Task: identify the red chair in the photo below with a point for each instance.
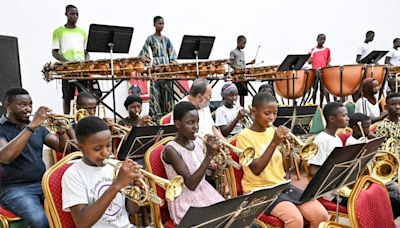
(369, 204)
(7, 216)
(51, 185)
(166, 120)
(152, 159)
(268, 220)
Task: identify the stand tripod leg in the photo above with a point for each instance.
(296, 166)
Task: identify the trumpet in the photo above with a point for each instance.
(117, 129)
(173, 188)
(308, 148)
(247, 120)
(246, 156)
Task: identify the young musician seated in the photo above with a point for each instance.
(267, 169)
(358, 136)
(90, 192)
(133, 105)
(228, 117)
(368, 104)
(86, 100)
(335, 115)
(21, 164)
(189, 157)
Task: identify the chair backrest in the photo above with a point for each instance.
(318, 122)
(166, 120)
(369, 204)
(153, 163)
(51, 185)
(351, 108)
(236, 178)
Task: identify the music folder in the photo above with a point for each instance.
(237, 212)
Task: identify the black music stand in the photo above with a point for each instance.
(293, 63)
(141, 138)
(196, 47)
(112, 39)
(373, 57)
(342, 167)
(237, 212)
(297, 118)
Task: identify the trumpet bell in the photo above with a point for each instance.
(174, 188)
(384, 168)
(308, 151)
(247, 156)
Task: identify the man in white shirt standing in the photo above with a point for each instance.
(393, 57)
(364, 49)
(200, 95)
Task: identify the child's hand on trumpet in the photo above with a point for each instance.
(281, 133)
(212, 145)
(128, 173)
(241, 114)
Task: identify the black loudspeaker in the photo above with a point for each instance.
(10, 72)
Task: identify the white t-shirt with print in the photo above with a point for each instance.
(224, 116)
(84, 184)
(394, 55)
(326, 143)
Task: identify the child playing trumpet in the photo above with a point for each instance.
(89, 191)
(229, 118)
(187, 156)
(267, 168)
(133, 105)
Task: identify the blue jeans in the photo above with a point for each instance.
(26, 202)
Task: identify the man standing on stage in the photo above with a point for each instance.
(364, 49)
(69, 44)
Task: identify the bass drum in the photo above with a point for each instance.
(342, 80)
(302, 84)
(378, 73)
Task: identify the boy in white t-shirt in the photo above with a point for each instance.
(228, 117)
(90, 191)
(364, 49)
(335, 115)
(393, 57)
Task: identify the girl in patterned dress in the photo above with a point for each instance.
(187, 156)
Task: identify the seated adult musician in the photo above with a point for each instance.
(200, 95)
(267, 168)
(390, 128)
(21, 164)
(133, 105)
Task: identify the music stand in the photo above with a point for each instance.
(196, 47)
(237, 212)
(112, 39)
(341, 168)
(293, 63)
(373, 57)
(297, 118)
(141, 138)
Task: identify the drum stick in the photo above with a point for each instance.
(258, 48)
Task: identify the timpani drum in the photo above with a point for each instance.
(342, 80)
(302, 83)
(377, 72)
